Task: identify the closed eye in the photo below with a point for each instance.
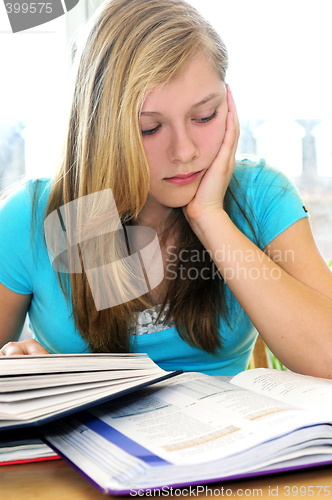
(207, 118)
(151, 131)
(198, 120)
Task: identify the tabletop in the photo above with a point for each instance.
(56, 480)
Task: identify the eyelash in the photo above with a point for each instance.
(199, 120)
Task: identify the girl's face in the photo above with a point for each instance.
(183, 126)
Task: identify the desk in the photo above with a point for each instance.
(56, 480)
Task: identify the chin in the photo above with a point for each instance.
(174, 200)
(179, 203)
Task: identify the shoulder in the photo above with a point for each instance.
(254, 173)
(257, 184)
(266, 197)
(19, 227)
(22, 212)
(17, 204)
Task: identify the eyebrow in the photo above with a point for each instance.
(200, 103)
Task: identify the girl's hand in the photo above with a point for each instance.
(24, 347)
(212, 188)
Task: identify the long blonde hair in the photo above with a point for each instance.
(131, 46)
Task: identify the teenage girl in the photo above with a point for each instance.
(153, 120)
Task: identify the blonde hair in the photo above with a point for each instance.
(129, 47)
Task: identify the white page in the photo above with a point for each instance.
(54, 363)
(303, 391)
(25, 396)
(90, 382)
(35, 409)
(26, 453)
(29, 382)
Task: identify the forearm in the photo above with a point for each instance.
(294, 320)
(13, 311)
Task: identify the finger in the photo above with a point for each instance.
(26, 347)
(11, 349)
(229, 144)
(33, 347)
(232, 106)
(232, 109)
(233, 135)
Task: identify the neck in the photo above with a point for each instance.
(153, 215)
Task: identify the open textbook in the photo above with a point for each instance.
(195, 429)
(36, 389)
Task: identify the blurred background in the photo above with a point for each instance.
(280, 74)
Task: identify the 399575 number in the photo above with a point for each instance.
(30, 8)
(307, 491)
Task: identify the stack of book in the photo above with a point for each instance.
(166, 428)
(18, 447)
(37, 389)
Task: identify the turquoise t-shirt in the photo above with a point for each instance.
(268, 198)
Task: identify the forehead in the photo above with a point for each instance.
(198, 79)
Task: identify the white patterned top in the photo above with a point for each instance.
(147, 321)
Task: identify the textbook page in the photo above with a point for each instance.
(55, 363)
(184, 430)
(309, 393)
(37, 387)
(30, 411)
(198, 417)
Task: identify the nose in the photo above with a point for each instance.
(182, 146)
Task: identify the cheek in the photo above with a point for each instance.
(152, 153)
(212, 138)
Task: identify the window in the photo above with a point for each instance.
(281, 78)
(32, 98)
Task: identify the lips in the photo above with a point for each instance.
(184, 178)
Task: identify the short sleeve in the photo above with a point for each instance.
(278, 205)
(271, 200)
(16, 259)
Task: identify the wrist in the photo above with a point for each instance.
(206, 222)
